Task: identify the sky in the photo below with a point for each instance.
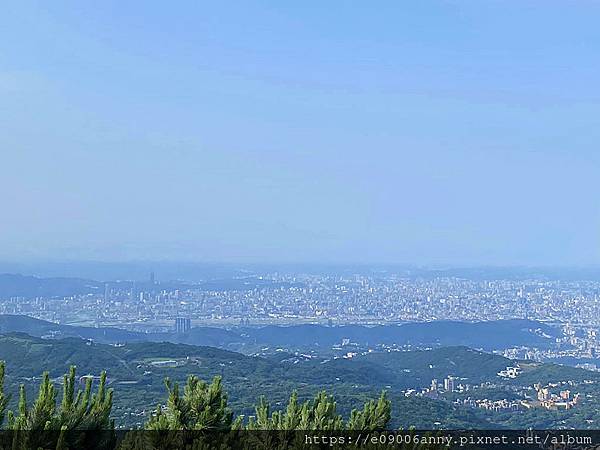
(431, 132)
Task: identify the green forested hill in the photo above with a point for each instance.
(136, 372)
(403, 370)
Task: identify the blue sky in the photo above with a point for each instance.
(453, 132)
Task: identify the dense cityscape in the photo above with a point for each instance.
(273, 299)
(571, 307)
(309, 298)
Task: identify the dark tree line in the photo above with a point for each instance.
(195, 417)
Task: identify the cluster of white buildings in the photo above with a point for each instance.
(510, 372)
(549, 400)
(449, 384)
(490, 405)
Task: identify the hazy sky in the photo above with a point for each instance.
(460, 132)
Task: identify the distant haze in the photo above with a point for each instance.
(429, 132)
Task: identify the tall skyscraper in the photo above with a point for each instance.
(182, 325)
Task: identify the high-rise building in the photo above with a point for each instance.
(183, 324)
(449, 384)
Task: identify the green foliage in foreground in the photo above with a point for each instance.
(48, 424)
(82, 411)
(202, 406)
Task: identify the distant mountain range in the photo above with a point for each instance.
(193, 272)
(488, 336)
(485, 335)
(17, 285)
